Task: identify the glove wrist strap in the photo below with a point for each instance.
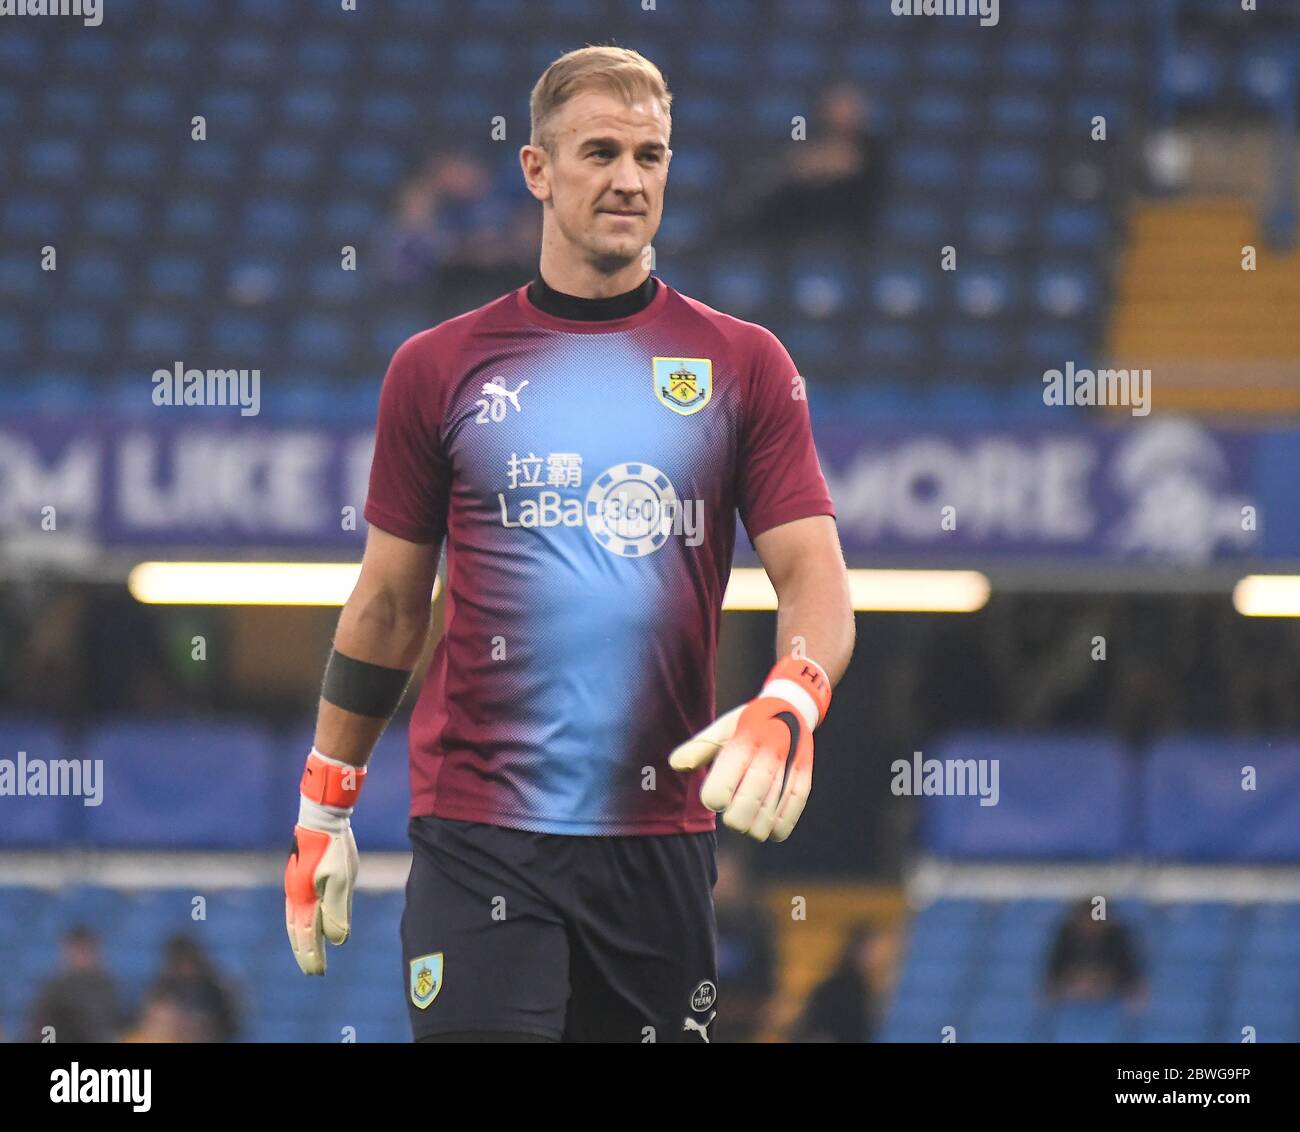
(324, 819)
(329, 782)
(803, 684)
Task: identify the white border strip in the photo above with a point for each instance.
(379, 872)
(930, 880)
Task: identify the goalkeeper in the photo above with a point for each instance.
(581, 447)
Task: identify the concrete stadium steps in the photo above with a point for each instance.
(1182, 292)
(809, 949)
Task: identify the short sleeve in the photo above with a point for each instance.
(410, 479)
(780, 478)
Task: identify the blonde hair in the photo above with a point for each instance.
(618, 70)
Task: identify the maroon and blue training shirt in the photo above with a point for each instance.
(585, 477)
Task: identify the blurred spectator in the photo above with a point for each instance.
(189, 980)
(80, 1003)
(461, 232)
(844, 1008)
(833, 183)
(746, 950)
(1092, 960)
(162, 1019)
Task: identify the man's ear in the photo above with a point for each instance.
(535, 163)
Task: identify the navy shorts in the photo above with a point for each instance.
(584, 939)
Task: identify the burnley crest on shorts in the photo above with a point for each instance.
(426, 979)
(683, 384)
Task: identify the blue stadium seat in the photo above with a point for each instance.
(929, 168)
(475, 59)
(683, 226)
(1031, 63)
(249, 56)
(21, 52)
(72, 108)
(211, 162)
(76, 334)
(12, 336)
(53, 160)
(1087, 1022)
(329, 283)
(1010, 170)
(941, 112)
(194, 11)
(319, 339)
(875, 62)
(164, 51)
(192, 217)
(97, 277)
(269, 11)
(972, 345)
(901, 292)
(1273, 1018)
(20, 275)
(985, 290)
(312, 107)
(159, 335)
(1199, 932)
(1049, 345)
(996, 229)
(88, 55)
(996, 1018)
(699, 115)
(696, 170)
(379, 167)
(150, 106)
(1110, 62)
(741, 284)
(814, 347)
(300, 398)
(273, 220)
(1263, 75)
(292, 162)
(793, 60)
(822, 285)
(331, 57)
(1047, 17)
(349, 217)
(138, 160)
(254, 281)
(241, 333)
(11, 109)
(390, 112)
(404, 57)
(952, 59)
(230, 111)
(1073, 227)
(1065, 290)
(177, 276)
(1020, 112)
(881, 345)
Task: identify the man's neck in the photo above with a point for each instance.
(581, 308)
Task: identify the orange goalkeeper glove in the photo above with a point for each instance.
(322, 868)
(762, 752)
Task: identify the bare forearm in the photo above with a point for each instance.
(375, 628)
(815, 619)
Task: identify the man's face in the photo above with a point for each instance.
(604, 176)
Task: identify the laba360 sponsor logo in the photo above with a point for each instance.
(630, 509)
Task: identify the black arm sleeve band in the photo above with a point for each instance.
(363, 688)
